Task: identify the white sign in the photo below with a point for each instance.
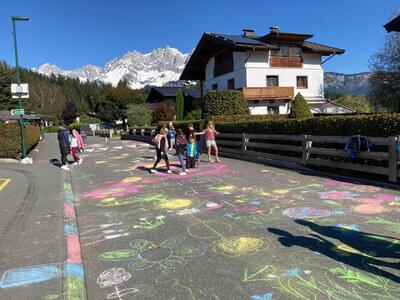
(22, 89)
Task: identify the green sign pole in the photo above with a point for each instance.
(21, 117)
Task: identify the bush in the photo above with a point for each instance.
(370, 125)
(51, 129)
(76, 126)
(243, 118)
(163, 112)
(300, 108)
(227, 102)
(139, 115)
(180, 103)
(85, 119)
(195, 114)
(10, 139)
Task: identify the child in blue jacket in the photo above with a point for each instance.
(192, 153)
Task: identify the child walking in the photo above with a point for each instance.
(75, 147)
(192, 153)
(161, 146)
(181, 144)
(210, 133)
(171, 135)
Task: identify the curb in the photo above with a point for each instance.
(74, 287)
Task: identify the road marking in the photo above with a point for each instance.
(5, 182)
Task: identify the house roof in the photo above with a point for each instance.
(393, 25)
(211, 44)
(172, 91)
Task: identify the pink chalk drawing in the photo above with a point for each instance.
(370, 201)
(306, 212)
(247, 209)
(119, 189)
(386, 197)
(335, 195)
(337, 183)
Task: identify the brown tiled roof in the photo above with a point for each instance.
(321, 49)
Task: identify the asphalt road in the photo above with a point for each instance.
(234, 230)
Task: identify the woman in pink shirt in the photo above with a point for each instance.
(210, 133)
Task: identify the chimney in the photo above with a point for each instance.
(249, 33)
(274, 29)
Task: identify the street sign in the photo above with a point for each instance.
(17, 112)
(22, 89)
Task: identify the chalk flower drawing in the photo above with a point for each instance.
(306, 212)
(170, 254)
(113, 277)
(238, 245)
(335, 195)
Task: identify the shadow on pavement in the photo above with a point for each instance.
(357, 249)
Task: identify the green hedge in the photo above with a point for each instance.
(225, 102)
(10, 139)
(51, 129)
(370, 125)
(244, 118)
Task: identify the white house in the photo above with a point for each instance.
(269, 69)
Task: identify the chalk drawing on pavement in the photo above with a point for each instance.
(3, 183)
(238, 245)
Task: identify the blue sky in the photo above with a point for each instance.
(74, 33)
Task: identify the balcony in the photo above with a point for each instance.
(270, 93)
(285, 62)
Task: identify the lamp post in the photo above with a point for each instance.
(21, 117)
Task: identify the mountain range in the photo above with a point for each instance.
(162, 67)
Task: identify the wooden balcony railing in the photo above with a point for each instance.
(269, 93)
(285, 62)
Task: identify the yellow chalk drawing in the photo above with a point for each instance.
(101, 162)
(132, 179)
(239, 201)
(106, 200)
(223, 188)
(238, 245)
(266, 171)
(345, 250)
(281, 191)
(393, 203)
(176, 203)
(3, 183)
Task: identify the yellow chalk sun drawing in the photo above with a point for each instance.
(132, 179)
(176, 203)
(238, 245)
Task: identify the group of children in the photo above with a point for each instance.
(188, 152)
(72, 142)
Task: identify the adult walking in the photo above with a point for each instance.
(64, 143)
(210, 133)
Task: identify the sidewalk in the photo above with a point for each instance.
(31, 242)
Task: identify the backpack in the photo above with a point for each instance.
(357, 143)
(398, 146)
(157, 140)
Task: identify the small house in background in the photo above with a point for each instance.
(393, 25)
(167, 96)
(270, 69)
(6, 117)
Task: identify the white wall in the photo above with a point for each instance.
(239, 73)
(257, 70)
(261, 108)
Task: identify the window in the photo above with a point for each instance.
(272, 81)
(273, 110)
(287, 51)
(302, 82)
(215, 86)
(223, 63)
(231, 84)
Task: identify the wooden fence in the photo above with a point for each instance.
(303, 150)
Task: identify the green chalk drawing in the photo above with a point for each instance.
(391, 226)
(118, 255)
(331, 202)
(75, 288)
(351, 276)
(149, 225)
(260, 275)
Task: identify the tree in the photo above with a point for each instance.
(225, 102)
(180, 102)
(139, 115)
(357, 102)
(385, 78)
(300, 108)
(163, 112)
(70, 112)
(7, 76)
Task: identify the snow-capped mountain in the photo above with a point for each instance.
(156, 68)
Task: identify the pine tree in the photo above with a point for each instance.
(300, 108)
(180, 102)
(6, 78)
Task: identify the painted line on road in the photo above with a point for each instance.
(74, 274)
(4, 183)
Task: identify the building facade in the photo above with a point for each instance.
(269, 69)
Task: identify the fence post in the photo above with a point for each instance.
(244, 147)
(306, 144)
(142, 132)
(392, 159)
